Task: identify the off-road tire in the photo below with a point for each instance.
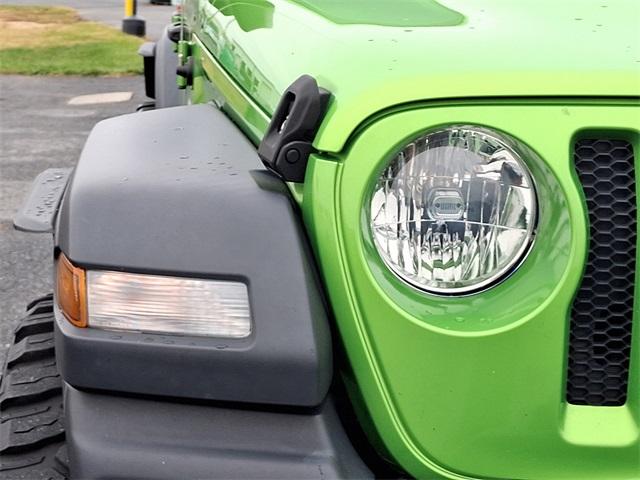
(31, 412)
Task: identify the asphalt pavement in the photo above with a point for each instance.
(39, 130)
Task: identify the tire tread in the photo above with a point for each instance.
(31, 411)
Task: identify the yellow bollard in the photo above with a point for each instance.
(130, 8)
(131, 23)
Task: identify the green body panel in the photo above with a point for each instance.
(479, 48)
(474, 386)
(212, 83)
(457, 387)
(405, 13)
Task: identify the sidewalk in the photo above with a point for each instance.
(111, 12)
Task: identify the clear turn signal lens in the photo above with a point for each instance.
(170, 305)
(455, 211)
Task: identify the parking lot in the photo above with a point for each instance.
(39, 130)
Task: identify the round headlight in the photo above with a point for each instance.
(455, 211)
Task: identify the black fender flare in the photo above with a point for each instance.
(181, 191)
(160, 71)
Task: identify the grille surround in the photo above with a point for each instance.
(602, 311)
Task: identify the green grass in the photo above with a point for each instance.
(55, 41)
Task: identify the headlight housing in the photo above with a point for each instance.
(455, 211)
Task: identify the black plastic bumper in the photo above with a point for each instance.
(121, 437)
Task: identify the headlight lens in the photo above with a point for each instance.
(455, 211)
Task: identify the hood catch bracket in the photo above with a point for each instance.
(288, 142)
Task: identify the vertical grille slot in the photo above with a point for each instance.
(602, 313)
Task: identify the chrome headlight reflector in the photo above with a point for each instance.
(454, 211)
(167, 305)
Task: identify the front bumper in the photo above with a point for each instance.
(123, 438)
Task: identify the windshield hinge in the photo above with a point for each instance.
(287, 144)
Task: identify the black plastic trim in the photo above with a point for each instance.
(186, 71)
(600, 346)
(123, 437)
(183, 193)
(287, 144)
(40, 209)
(176, 31)
(148, 53)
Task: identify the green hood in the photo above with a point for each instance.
(375, 54)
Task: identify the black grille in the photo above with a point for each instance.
(602, 314)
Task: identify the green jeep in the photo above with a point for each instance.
(358, 239)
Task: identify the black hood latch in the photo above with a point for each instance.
(287, 144)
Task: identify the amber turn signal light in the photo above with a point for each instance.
(71, 291)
